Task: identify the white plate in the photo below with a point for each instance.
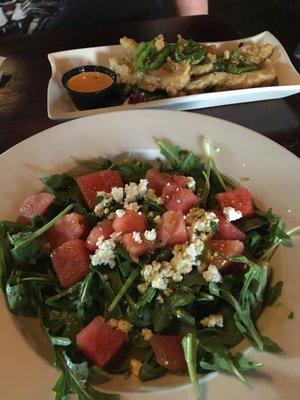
(60, 106)
(273, 171)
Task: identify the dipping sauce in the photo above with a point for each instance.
(90, 81)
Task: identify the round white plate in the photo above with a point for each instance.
(274, 174)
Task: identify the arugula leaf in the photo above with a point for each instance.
(74, 379)
(184, 162)
(64, 187)
(242, 315)
(150, 369)
(228, 363)
(265, 233)
(273, 293)
(271, 347)
(132, 170)
(132, 277)
(190, 346)
(27, 245)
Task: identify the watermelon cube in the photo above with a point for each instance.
(100, 342)
(137, 248)
(71, 262)
(130, 221)
(158, 180)
(169, 352)
(172, 229)
(227, 230)
(100, 181)
(240, 199)
(71, 226)
(35, 204)
(176, 198)
(219, 251)
(103, 228)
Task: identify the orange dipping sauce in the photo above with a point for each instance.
(91, 81)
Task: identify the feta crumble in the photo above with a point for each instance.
(102, 207)
(150, 235)
(212, 274)
(232, 214)
(120, 213)
(147, 333)
(150, 195)
(135, 366)
(117, 194)
(120, 324)
(137, 237)
(132, 206)
(142, 287)
(105, 253)
(212, 320)
(199, 221)
(160, 299)
(135, 191)
(191, 183)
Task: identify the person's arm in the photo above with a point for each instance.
(173, 8)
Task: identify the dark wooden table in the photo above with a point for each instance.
(23, 97)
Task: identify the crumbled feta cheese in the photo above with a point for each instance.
(134, 191)
(116, 236)
(199, 221)
(150, 235)
(212, 320)
(232, 214)
(150, 214)
(124, 326)
(120, 324)
(105, 253)
(212, 274)
(132, 206)
(120, 213)
(150, 195)
(160, 299)
(117, 194)
(135, 366)
(147, 333)
(142, 287)
(157, 219)
(137, 237)
(102, 207)
(191, 183)
(113, 323)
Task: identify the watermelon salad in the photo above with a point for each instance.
(143, 269)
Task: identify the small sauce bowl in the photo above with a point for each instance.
(92, 88)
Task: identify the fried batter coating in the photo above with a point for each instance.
(257, 53)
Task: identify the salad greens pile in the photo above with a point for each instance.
(31, 286)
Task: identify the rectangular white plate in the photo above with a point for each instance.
(60, 106)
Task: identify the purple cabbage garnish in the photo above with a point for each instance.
(136, 97)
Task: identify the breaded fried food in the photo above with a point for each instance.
(171, 77)
(257, 53)
(129, 45)
(225, 81)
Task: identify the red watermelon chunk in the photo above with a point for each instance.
(172, 229)
(100, 342)
(71, 262)
(131, 221)
(219, 251)
(100, 181)
(158, 180)
(240, 199)
(137, 249)
(176, 198)
(103, 228)
(227, 230)
(35, 204)
(71, 226)
(169, 352)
